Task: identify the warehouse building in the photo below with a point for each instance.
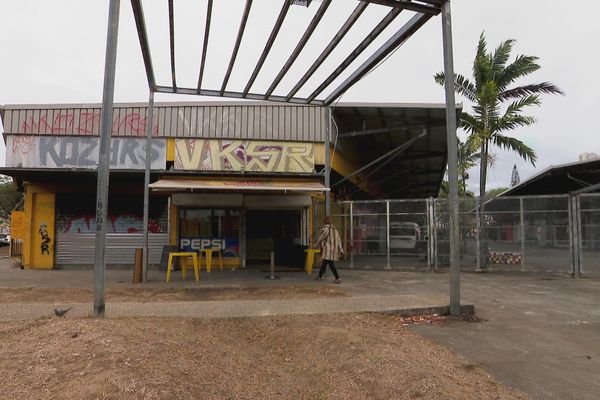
(246, 178)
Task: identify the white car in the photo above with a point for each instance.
(4, 239)
(404, 235)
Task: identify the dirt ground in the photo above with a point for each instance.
(350, 356)
(75, 295)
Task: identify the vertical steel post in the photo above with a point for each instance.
(435, 236)
(327, 161)
(430, 222)
(478, 237)
(243, 236)
(571, 237)
(387, 233)
(452, 160)
(149, 128)
(579, 235)
(522, 233)
(351, 235)
(106, 117)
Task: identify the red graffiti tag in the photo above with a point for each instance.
(88, 123)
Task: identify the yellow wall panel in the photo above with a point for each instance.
(42, 231)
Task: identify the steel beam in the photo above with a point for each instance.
(138, 14)
(387, 234)
(274, 32)
(389, 129)
(172, 41)
(392, 152)
(235, 95)
(307, 34)
(384, 23)
(236, 47)
(452, 160)
(148, 161)
(407, 5)
(360, 8)
(398, 39)
(205, 44)
(328, 161)
(106, 118)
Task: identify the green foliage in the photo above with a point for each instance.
(497, 107)
(445, 189)
(9, 196)
(495, 192)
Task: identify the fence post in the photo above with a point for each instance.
(522, 234)
(478, 237)
(579, 248)
(387, 233)
(351, 236)
(571, 238)
(435, 235)
(430, 223)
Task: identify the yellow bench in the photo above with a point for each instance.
(310, 259)
(192, 254)
(208, 253)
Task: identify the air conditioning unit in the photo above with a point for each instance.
(588, 156)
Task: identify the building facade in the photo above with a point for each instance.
(244, 178)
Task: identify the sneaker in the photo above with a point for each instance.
(319, 278)
(338, 281)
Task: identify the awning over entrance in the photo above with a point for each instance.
(249, 184)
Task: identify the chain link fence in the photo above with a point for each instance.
(542, 234)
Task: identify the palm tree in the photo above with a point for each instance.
(498, 107)
(467, 159)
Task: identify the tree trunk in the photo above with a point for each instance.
(483, 249)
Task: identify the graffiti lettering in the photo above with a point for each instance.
(45, 244)
(87, 123)
(115, 224)
(237, 155)
(83, 152)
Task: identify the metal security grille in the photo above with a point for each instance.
(75, 230)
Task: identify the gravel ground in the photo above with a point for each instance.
(340, 356)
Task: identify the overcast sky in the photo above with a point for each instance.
(53, 52)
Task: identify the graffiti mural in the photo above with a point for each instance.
(240, 155)
(86, 123)
(116, 224)
(81, 152)
(44, 236)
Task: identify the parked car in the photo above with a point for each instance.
(405, 237)
(4, 239)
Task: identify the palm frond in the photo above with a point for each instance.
(513, 144)
(519, 104)
(481, 62)
(470, 123)
(522, 66)
(462, 85)
(520, 91)
(501, 55)
(510, 122)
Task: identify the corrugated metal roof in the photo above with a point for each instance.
(231, 120)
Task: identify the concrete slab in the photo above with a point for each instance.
(539, 334)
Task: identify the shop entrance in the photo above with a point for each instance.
(274, 230)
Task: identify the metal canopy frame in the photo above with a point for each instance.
(423, 9)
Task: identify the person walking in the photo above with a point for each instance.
(331, 248)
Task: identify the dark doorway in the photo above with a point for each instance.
(279, 231)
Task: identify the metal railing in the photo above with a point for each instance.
(550, 234)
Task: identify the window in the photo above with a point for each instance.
(210, 228)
